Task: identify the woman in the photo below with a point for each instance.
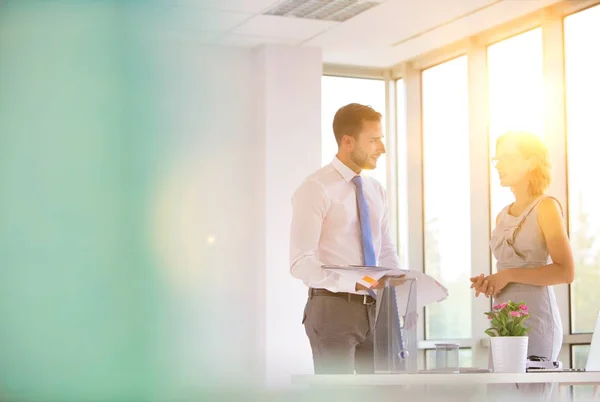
(530, 242)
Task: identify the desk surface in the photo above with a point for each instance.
(572, 378)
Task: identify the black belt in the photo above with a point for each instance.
(351, 297)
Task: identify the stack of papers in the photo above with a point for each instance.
(428, 289)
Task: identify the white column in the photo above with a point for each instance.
(402, 192)
(391, 150)
(480, 193)
(414, 169)
(289, 122)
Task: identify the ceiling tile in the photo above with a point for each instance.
(246, 6)
(252, 41)
(198, 19)
(197, 37)
(283, 27)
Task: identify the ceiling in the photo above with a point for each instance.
(383, 36)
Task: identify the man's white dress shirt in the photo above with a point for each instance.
(326, 228)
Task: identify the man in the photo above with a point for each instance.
(340, 218)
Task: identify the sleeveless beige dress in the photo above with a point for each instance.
(518, 242)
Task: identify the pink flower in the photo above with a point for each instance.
(500, 306)
(523, 308)
(515, 314)
(489, 317)
(524, 313)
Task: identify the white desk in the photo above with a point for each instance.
(563, 379)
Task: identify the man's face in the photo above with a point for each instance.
(368, 146)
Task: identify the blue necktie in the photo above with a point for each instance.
(365, 223)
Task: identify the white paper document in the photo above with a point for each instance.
(428, 289)
(365, 275)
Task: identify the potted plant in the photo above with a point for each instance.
(508, 337)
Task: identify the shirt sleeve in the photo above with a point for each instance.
(310, 204)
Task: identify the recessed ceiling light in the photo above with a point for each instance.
(326, 10)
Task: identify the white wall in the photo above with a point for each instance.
(207, 212)
(244, 131)
(289, 101)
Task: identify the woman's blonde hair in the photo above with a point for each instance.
(531, 146)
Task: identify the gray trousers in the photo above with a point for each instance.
(340, 334)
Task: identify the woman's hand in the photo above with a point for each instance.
(491, 285)
(480, 284)
(497, 282)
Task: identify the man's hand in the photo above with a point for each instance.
(393, 280)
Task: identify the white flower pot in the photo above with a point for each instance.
(509, 353)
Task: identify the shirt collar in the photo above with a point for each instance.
(347, 173)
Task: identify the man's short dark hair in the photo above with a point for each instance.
(348, 120)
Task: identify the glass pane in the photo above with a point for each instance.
(422, 363)
(446, 186)
(515, 80)
(579, 354)
(583, 125)
(465, 358)
(339, 91)
(430, 359)
(402, 195)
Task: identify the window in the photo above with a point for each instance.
(581, 31)
(339, 91)
(446, 192)
(515, 84)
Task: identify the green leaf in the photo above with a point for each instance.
(510, 327)
(490, 332)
